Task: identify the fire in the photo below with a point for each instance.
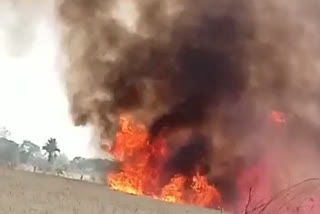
(142, 167)
(173, 191)
(278, 117)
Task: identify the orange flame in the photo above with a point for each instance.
(173, 191)
(141, 168)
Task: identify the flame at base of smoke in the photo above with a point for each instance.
(142, 169)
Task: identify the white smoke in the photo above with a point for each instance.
(19, 21)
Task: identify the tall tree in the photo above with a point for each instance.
(26, 150)
(51, 148)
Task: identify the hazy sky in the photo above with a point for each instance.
(33, 105)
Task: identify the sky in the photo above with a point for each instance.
(33, 104)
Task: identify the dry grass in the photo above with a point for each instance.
(31, 193)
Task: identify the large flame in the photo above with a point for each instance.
(141, 169)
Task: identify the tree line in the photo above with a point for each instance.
(49, 158)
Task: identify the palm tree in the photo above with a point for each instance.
(51, 148)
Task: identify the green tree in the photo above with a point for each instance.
(26, 150)
(4, 132)
(51, 148)
(9, 151)
(61, 164)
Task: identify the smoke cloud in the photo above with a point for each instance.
(211, 68)
(171, 60)
(19, 24)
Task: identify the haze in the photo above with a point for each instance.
(33, 103)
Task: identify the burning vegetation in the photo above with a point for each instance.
(199, 102)
(143, 168)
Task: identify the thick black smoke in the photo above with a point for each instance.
(177, 65)
(208, 68)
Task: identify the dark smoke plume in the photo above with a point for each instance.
(175, 67)
(210, 68)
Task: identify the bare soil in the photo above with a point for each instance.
(31, 193)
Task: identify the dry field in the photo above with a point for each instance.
(30, 193)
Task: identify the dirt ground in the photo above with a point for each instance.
(30, 193)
